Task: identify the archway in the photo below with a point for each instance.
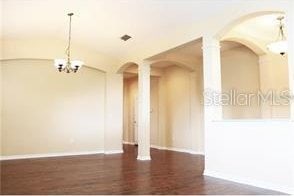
(240, 138)
(175, 113)
(219, 35)
(130, 102)
(256, 31)
(179, 107)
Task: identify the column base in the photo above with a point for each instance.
(144, 158)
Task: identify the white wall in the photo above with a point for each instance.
(0, 106)
(155, 116)
(252, 152)
(245, 72)
(113, 113)
(49, 112)
(183, 108)
(197, 109)
(240, 72)
(274, 77)
(177, 113)
(257, 152)
(130, 96)
(178, 103)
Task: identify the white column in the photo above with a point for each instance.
(144, 112)
(290, 29)
(113, 113)
(212, 78)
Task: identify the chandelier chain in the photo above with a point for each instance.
(67, 65)
(281, 35)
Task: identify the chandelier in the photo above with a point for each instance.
(67, 65)
(280, 46)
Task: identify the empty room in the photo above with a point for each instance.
(146, 97)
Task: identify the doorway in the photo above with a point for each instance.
(130, 132)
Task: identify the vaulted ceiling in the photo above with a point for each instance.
(38, 28)
(99, 24)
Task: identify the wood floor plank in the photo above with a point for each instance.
(168, 173)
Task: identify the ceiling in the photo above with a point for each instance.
(195, 48)
(99, 24)
(262, 29)
(191, 53)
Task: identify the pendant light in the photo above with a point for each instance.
(67, 65)
(280, 46)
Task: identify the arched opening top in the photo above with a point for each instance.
(125, 66)
(256, 48)
(165, 63)
(219, 35)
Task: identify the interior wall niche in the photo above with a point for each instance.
(251, 68)
(240, 74)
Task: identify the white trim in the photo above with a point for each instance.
(129, 143)
(158, 147)
(252, 182)
(144, 158)
(60, 154)
(177, 149)
(113, 151)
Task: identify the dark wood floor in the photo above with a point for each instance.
(168, 173)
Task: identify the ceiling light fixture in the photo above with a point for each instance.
(280, 46)
(67, 65)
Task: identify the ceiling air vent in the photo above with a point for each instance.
(125, 37)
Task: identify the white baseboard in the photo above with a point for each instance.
(144, 158)
(169, 148)
(129, 143)
(60, 154)
(33, 156)
(177, 149)
(252, 182)
(159, 147)
(113, 151)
